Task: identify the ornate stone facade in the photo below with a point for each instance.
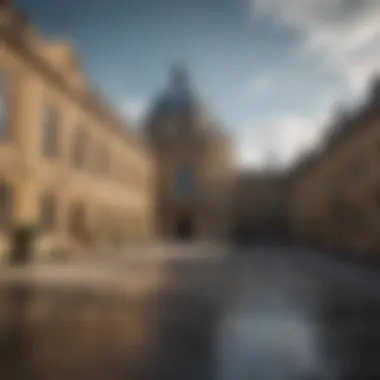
(68, 166)
(194, 166)
(334, 197)
(72, 169)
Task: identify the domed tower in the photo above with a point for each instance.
(194, 165)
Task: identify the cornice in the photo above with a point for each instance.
(359, 123)
(14, 32)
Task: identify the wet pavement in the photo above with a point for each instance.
(77, 323)
(274, 314)
(298, 315)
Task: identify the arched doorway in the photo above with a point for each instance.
(184, 228)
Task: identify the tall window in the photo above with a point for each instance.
(4, 90)
(50, 131)
(5, 206)
(79, 147)
(184, 181)
(77, 221)
(48, 212)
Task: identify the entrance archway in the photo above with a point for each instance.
(184, 228)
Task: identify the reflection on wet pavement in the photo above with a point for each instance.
(273, 316)
(61, 332)
(50, 334)
(291, 318)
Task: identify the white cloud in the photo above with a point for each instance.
(133, 109)
(283, 140)
(344, 33)
(250, 153)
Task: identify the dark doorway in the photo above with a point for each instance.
(77, 222)
(244, 232)
(184, 228)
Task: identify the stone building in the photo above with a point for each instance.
(71, 169)
(68, 164)
(334, 198)
(260, 206)
(195, 166)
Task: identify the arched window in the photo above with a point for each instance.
(5, 206)
(4, 91)
(184, 181)
(79, 147)
(77, 221)
(49, 130)
(103, 159)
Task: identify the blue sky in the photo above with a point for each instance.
(269, 70)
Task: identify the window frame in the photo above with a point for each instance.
(79, 146)
(5, 102)
(104, 159)
(50, 130)
(6, 205)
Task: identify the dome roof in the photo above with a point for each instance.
(174, 102)
(179, 98)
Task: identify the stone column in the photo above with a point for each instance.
(26, 136)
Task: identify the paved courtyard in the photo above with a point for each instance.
(190, 313)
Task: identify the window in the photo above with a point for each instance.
(93, 155)
(79, 147)
(48, 212)
(184, 181)
(5, 206)
(4, 87)
(50, 131)
(77, 221)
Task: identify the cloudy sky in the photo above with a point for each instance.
(269, 70)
